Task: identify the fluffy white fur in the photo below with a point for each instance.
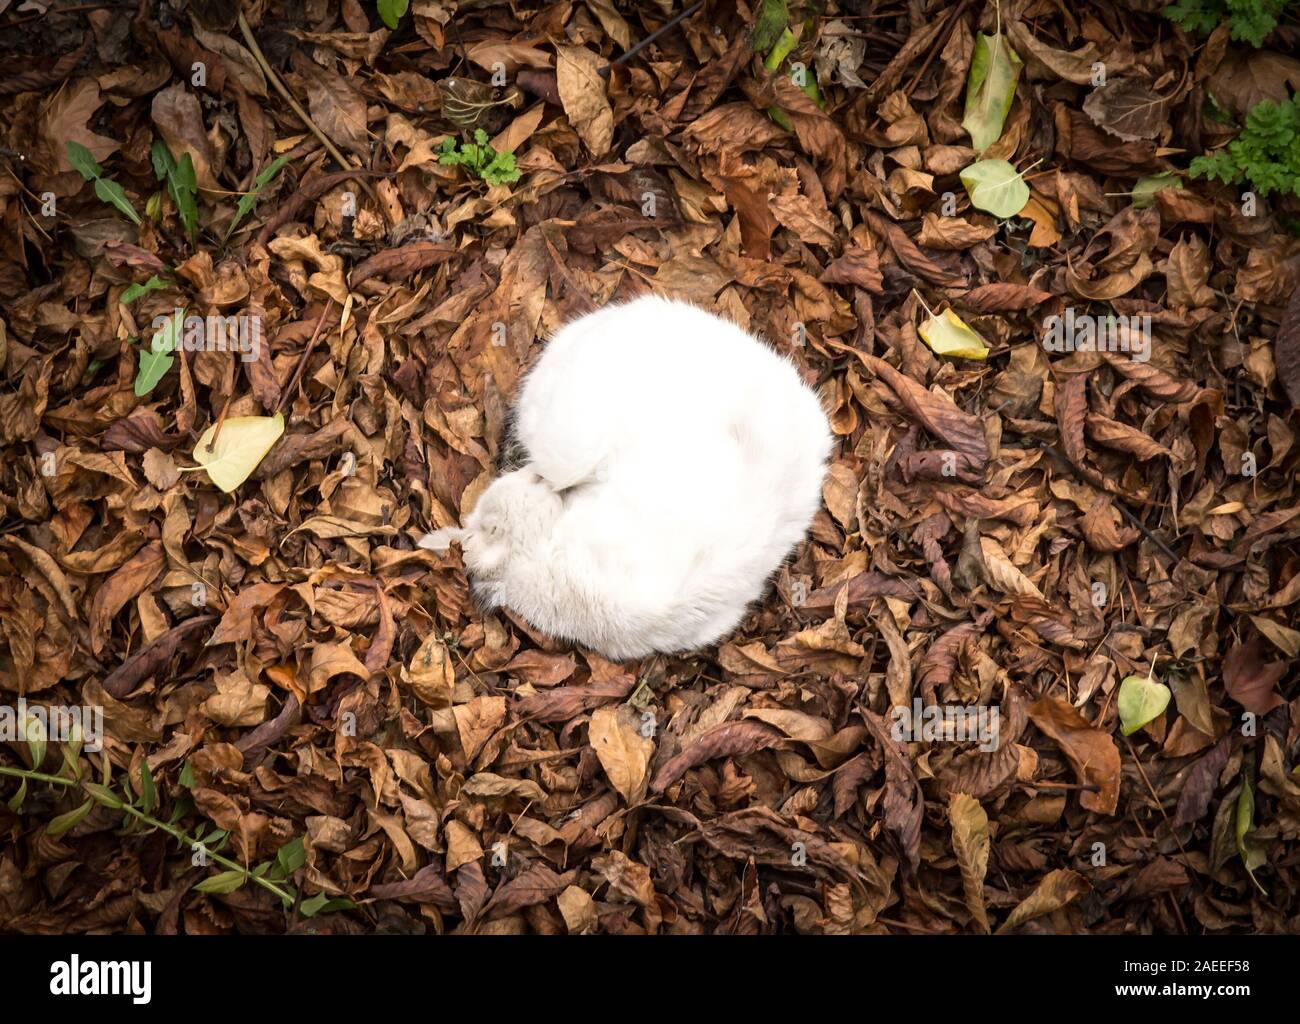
(673, 463)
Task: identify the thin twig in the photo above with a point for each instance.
(280, 87)
(306, 353)
(666, 27)
(221, 421)
(1118, 504)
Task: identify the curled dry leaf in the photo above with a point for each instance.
(616, 736)
(1091, 753)
(1251, 681)
(970, 841)
(1057, 889)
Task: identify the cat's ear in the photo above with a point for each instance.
(440, 540)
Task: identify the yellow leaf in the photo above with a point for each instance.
(947, 335)
(241, 446)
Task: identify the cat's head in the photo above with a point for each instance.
(511, 519)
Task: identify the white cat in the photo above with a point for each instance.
(673, 461)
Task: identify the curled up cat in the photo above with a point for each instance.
(672, 462)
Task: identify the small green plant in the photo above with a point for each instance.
(107, 189)
(1249, 21)
(134, 291)
(391, 11)
(249, 199)
(1266, 153)
(480, 158)
(157, 359)
(182, 185)
(139, 819)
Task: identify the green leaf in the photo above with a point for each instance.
(184, 187)
(15, 803)
(1144, 192)
(323, 904)
(479, 156)
(291, 856)
(249, 199)
(148, 793)
(995, 187)
(157, 359)
(1251, 851)
(949, 335)
(990, 89)
(104, 795)
(186, 778)
(223, 882)
(134, 291)
(71, 767)
(1141, 700)
(391, 11)
(83, 161)
(111, 192)
(163, 161)
(781, 49)
(64, 822)
(153, 368)
(501, 170)
(37, 739)
(773, 19)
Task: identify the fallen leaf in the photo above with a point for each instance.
(241, 445)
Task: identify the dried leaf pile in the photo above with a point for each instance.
(1100, 549)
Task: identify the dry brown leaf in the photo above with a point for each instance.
(615, 735)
